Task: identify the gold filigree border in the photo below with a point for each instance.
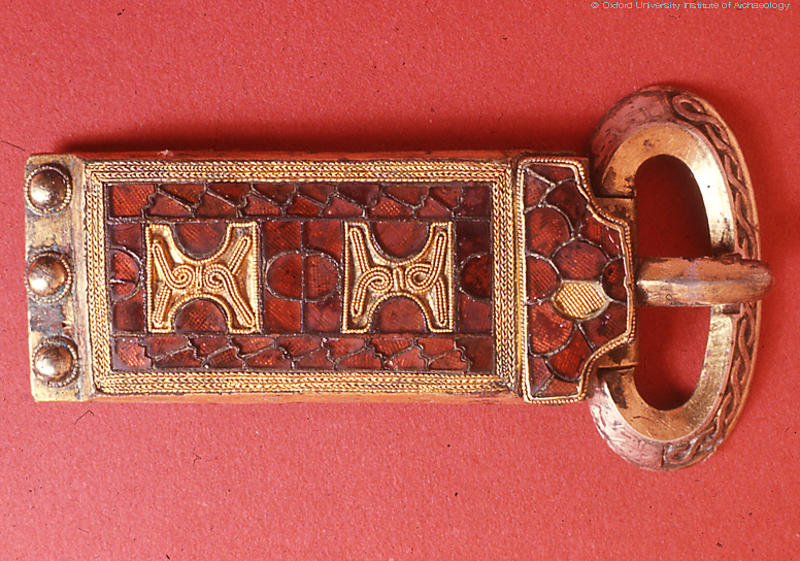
(506, 275)
(627, 258)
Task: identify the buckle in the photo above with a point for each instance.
(505, 276)
(665, 121)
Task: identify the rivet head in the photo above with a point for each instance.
(54, 361)
(49, 189)
(48, 276)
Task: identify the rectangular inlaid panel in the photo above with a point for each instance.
(258, 277)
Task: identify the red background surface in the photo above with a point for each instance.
(396, 481)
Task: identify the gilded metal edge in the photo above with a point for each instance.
(505, 272)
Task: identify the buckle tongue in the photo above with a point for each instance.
(706, 281)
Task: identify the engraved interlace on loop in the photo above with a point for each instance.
(664, 121)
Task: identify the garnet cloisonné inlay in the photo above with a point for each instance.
(425, 307)
(576, 295)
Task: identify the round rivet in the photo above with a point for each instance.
(48, 189)
(49, 276)
(54, 361)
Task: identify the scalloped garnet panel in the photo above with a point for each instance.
(565, 242)
(300, 229)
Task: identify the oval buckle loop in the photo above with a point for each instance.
(666, 121)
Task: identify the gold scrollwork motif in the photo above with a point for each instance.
(228, 278)
(425, 278)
